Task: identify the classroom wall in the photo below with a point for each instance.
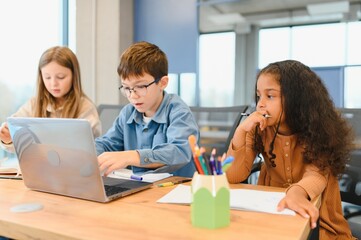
(173, 26)
(103, 30)
(246, 63)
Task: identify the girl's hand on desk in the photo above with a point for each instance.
(296, 199)
(5, 133)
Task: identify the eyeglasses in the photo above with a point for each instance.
(140, 90)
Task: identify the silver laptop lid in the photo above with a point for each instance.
(58, 156)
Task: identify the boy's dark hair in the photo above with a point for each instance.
(141, 58)
(310, 113)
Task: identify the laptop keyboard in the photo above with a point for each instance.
(111, 190)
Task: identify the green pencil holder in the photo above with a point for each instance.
(210, 207)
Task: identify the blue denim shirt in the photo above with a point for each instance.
(163, 140)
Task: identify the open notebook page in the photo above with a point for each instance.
(9, 168)
(241, 199)
(148, 177)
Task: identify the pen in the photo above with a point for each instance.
(136, 177)
(201, 161)
(192, 140)
(229, 159)
(167, 184)
(264, 115)
(129, 176)
(193, 145)
(206, 161)
(219, 166)
(212, 162)
(197, 164)
(227, 163)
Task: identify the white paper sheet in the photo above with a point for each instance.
(148, 177)
(241, 199)
(9, 168)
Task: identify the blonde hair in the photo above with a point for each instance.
(66, 58)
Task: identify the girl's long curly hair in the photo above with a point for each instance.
(310, 113)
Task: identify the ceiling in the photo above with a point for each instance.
(241, 15)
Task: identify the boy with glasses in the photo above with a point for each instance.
(151, 132)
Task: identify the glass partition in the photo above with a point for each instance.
(28, 28)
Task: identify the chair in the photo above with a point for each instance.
(217, 125)
(350, 182)
(107, 114)
(350, 187)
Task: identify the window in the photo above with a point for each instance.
(216, 69)
(26, 32)
(352, 87)
(184, 85)
(188, 88)
(173, 84)
(323, 45)
(274, 45)
(353, 43)
(319, 45)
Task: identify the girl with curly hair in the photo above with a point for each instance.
(304, 141)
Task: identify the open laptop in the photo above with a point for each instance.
(57, 155)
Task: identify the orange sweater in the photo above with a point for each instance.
(289, 171)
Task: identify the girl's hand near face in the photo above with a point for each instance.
(296, 199)
(5, 133)
(256, 118)
(250, 123)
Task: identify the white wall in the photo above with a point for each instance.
(103, 30)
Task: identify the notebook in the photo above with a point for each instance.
(57, 155)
